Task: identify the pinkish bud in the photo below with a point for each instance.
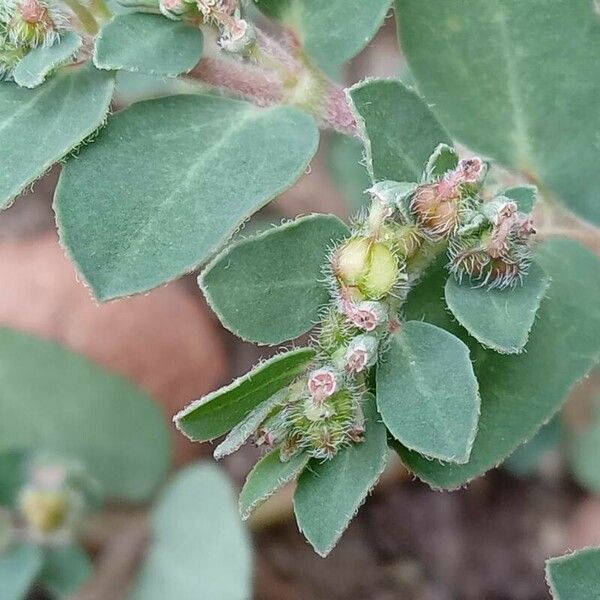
(361, 354)
(365, 315)
(322, 384)
(470, 169)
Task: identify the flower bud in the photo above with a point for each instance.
(240, 38)
(361, 354)
(32, 23)
(322, 383)
(471, 170)
(435, 208)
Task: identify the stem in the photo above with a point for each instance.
(101, 10)
(85, 17)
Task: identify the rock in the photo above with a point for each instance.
(166, 341)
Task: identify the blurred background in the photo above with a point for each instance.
(485, 542)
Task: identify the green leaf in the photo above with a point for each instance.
(33, 69)
(13, 475)
(520, 393)
(168, 181)
(399, 129)
(427, 392)
(498, 319)
(148, 44)
(217, 413)
(269, 288)
(18, 569)
(65, 570)
(525, 196)
(39, 127)
(443, 159)
(584, 449)
(331, 32)
(345, 161)
(330, 493)
(269, 474)
(482, 67)
(575, 576)
(199, 548)
(56, 401)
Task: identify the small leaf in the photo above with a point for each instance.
(198, 547)
(269, 474)
(498, 319)
(19, 567)
(33, 69)
(269, 288)
(13, 475)
(584, 449)
(400, 130)
(217, 413)
(427, 392)
(443, 159)
(59, 402)
(330, 493)
(215, 161)
(575, 576)
(39, 127)
(520, 393)
(65, 570)
(525, 196)
(162, 47)
(332, 32)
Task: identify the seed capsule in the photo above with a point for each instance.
(435, 208)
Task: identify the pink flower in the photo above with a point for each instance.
(366, 315)
(471, 169)
(322, 383)
(361, 354)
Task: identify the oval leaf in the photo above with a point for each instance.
(481, 66)
(148, 44)
(498, 319)
(269, 288)
(57, 401)
(399, 129)
(39, 127)
(65, 570)
(19, 567)
(33, 69)
(269, 474)
(198, 548)
(427, 392)
(215, 162)
(330, 493)
(215, 414)
(575, 576)
(520, 393)
(525, 196)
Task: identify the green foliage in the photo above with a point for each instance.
(399, 129)
(574, 576)
(268, 475)
(525, 196)
(168, 181)
(65, 570)
(521, 392)
(330, 493)
(427, 392)
(58, 401)
(33, 69)
(13, 474)
(584, 448)
(19, 567)
(165, 48)
(198, 547)
(331, 32)
(264, 289)
(515, 81)
(39, 127)
(498, 319)
(217, 413)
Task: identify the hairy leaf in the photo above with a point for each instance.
(575, 576)
(520, 393)
(148, 44)
(65, 570)
(269, 474)
(198, 548)
(269, 288)
(168, 181)
(443, 159)
(57, 401)
(39, 127)
(525, 196)
(13, 475)
(19, 567)
(33, 69)
(331, 32)
(518, 81)
(215, 414)
(427, 392)
(399, 129)
(498, 319)
(330, 493)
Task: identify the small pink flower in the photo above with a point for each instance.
(173, 5)
(361, 354)
(366, 315)
(356, 360)
(322, 383)
(32, 11)
(470, 169)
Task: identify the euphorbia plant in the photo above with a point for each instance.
(424, 305)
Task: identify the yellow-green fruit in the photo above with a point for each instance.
(45, 511)
(352, 260)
